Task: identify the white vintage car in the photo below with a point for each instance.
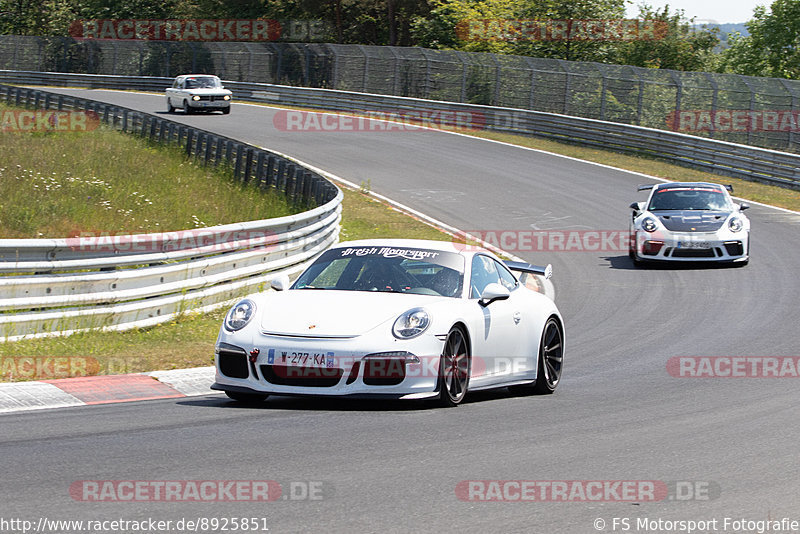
(403, 319)
(198, 92)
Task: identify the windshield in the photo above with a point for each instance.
(205, 82)
(390, 269)
(689, 198)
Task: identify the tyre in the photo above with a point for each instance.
(186, 108)
(226, 111)
(170, 107)
(247, 398)
(550, 361)
(454, 369)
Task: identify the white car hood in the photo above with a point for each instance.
(331, 313)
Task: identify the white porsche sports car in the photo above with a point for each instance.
(198, 92)
(689, 221)
(404, 319)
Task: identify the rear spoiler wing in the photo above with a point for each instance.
(523, 267)
(646, 187)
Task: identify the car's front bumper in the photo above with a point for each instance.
(358, 366)
(216, 105)
(692, 247)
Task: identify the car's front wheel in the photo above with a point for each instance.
(632, 252)
(247, 398)
(170, 107)
(186, 108)
(454, 368)
(226, 111)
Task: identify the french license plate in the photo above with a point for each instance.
(298, 358)
(694, 244)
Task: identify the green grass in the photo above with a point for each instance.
(61, 184)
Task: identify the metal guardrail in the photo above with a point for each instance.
(120, 282)
(720, 157)
(618, 93)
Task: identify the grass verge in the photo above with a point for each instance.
(58, 184)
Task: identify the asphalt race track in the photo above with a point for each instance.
(394, 467)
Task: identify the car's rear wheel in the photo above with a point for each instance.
(550, 361)
(454, 367)
(247, 398)
(551, 358)
(186, 108)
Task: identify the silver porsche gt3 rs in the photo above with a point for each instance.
(682, 221)
(404, 319)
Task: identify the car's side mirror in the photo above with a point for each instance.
(636, 206)
(493, 292)
(744, 206)
(280, 283)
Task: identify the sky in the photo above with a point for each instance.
(706, 11)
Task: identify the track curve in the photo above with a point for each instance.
(618, 415)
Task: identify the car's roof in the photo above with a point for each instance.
(197, 76)
(429, 244)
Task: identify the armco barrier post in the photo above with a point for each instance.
(248, 165)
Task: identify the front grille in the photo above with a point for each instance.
(233, 364)
(734, 248)
(384, 371)
(693, 253)
(310, 377)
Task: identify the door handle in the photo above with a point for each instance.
(517, 317)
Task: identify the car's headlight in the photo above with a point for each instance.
(411, 324)
(735, 224)
(240, 315)
(649, 224)
(226, 97)
(195, 97)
